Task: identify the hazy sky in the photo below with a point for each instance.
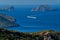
(28, 2)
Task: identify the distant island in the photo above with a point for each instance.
(8, 8)
(7, 21)
(43, 8)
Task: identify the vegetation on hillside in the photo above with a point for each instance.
(44, 35)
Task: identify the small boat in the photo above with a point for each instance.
(32, 17)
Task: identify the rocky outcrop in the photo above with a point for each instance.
(8, 8)
(44, 8)
(46, 35)
(6, 21)
(10, 18)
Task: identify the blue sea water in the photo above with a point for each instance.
(48, 20)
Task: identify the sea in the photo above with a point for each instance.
(47, 20)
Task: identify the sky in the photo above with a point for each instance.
(28, 2)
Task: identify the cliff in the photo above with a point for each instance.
(7, 21)
(44, 8)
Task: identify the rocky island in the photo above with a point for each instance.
(8, 8)
(44, 8)
(6, 21)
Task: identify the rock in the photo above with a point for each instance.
(9, 8)
(11, 19)
(44, 8)
(6, 21)
(47, 35)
